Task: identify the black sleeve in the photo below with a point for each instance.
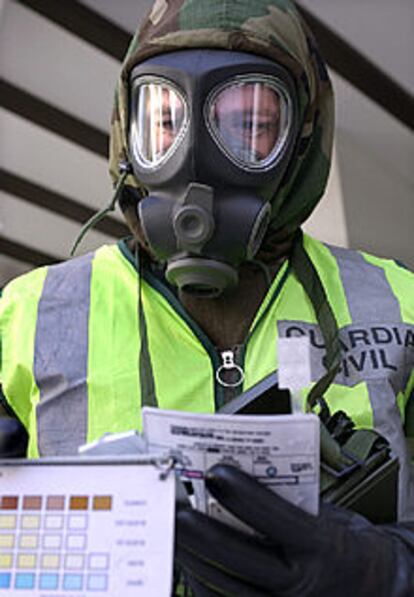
(5, 408)
(13, 435)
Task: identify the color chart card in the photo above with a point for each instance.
(78, 530)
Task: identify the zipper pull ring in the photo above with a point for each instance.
(229, 365)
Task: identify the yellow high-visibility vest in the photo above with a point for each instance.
(80, 356)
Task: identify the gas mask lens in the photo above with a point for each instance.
(250, 119)
(159, 123)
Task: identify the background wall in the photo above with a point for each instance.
(58, 66)
(374, 173)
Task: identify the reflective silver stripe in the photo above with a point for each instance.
(365, 283)
(61, 357)
(387, 421)
(362, 296)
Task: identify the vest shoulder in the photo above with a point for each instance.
(392, 268)
(366, 278)
(348, 256)
(24, 284)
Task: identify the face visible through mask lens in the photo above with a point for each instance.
(249, 120)
(161, 119)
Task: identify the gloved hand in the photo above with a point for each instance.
(295, 554)
(13, 438)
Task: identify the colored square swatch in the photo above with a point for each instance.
(73, 582)
(30, 522)
(7, 521)
(50, 560)
(53, 521)
(78, 502)
(26, 560)
(28, 541)
(52, 541)
(77, 522)
(48, 581)
(6, 541)
(24, 580)
(102, 502)
(74, 561)
(97, 582)
(76, 542)
(9, 502)
(55, 502)
(5, 580)
(99, 561)
(32, 502)
(6, 560)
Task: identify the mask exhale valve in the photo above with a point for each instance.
(193, 221)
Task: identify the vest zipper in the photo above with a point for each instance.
(229, 376)
(235, 356)
(222, 395)
(238, 353)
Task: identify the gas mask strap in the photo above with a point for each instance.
(125, 169)
(146, 375)
(309, 278)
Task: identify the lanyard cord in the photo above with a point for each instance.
(125, 169)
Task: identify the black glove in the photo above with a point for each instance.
(13, 438)
(295, 554)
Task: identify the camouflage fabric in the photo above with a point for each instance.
(269, 28)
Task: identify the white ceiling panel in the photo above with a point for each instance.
(125, 13)
(380, 29)
(27, 224)
(375, 155)
(56, 66)
(10, 268)
(53, 162)
(388, 139)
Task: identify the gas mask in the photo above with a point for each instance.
(211, 133)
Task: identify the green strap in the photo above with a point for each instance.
(308, 276)
(330, 450)
(125, 171)
(146, 374)
(361, 442)
(359, 447)
(409, 417)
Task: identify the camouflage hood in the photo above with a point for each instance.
(269, 28)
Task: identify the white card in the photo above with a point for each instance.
(85, 529)
(281, 451)
(294, 363)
